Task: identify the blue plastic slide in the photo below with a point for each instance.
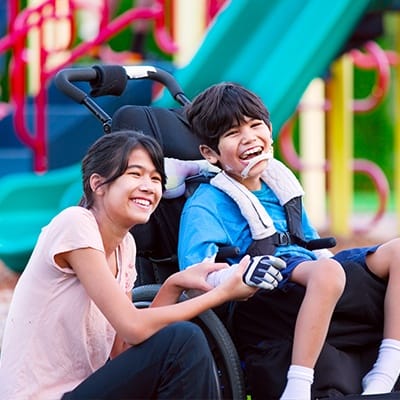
(273, 47)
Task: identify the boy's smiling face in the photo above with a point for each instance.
(238, 146)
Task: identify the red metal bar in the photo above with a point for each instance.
(381, 185)
(375, 58)
(34, 18)
(213, 7)
(162, 36)
(27, 20)
(109, 31)
(366, 167)
(286, 145)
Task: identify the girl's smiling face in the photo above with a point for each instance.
(238, 146)
(133, 196)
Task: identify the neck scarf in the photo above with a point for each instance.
(282, 182)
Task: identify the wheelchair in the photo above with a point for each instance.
(156, 255)
(157, 240)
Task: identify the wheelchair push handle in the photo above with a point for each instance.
(112, 80)
(64, 78)
(159, 75)
(64, 82)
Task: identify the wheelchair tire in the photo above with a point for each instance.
(229, 370)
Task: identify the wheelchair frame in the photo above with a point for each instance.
(106, 80)
(112, 79)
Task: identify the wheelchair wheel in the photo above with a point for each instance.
(229, 371)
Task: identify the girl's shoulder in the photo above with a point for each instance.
(75, 210)
(72, 220)
(74, 213)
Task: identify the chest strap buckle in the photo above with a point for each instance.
(284, 238)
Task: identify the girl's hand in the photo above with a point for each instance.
(195, 276)
(192, 279)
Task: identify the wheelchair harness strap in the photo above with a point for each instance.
(294, 235)
(266, 238)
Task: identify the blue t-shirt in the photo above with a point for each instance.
(211, 219)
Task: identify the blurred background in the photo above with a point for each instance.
(329, 74)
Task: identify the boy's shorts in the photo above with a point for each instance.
(291, 263)
(356, 255)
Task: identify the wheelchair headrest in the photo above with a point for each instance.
(168, 126)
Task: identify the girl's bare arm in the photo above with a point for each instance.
(136, 325)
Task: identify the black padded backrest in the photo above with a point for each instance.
(157, 240)
(168, 126)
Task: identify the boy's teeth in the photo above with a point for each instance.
(251, 152)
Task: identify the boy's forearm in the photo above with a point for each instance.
(217, 277)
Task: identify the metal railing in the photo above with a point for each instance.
(41, 21)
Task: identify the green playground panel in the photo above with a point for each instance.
(27, 203)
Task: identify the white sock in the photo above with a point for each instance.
(386, 369)
(299, 381)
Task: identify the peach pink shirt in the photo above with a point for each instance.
(55, 336)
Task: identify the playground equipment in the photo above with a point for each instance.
(278, 79)
(43, 21)
(341, 107)
(25, 207)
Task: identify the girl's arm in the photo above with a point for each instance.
(191, 278)
(136, 325)
(120, 345)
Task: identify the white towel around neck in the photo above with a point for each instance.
(282, 182)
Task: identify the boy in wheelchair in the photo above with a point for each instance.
(332, 309)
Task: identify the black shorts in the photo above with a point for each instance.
(357, 318)
(264, 325)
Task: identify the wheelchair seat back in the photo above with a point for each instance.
(157, 240)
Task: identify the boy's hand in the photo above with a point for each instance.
(264, 272)
(234, 287)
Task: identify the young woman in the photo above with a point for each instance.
(72, 329)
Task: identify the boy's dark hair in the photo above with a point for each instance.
(109, 157)
(215, 110)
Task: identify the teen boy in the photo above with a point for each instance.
(254, 203)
